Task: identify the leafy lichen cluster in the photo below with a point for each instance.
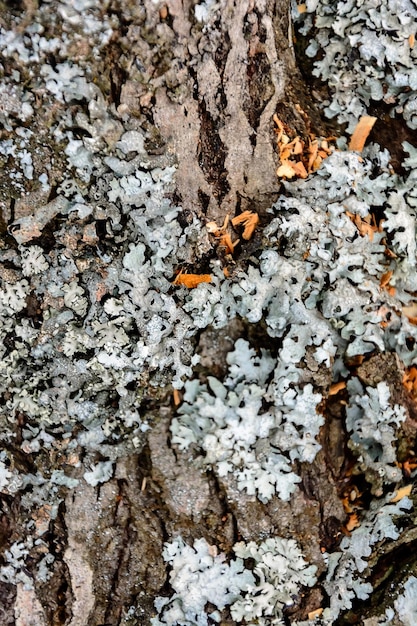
(365, 52)
(91, 319)
(200, 575)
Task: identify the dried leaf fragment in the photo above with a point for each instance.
(291, 148)
(361, 133)
(410, 380)
(314, 614)
(281, 130)
(299, 169)
(192, 280)
(299, 157)
(385, 278)
(214, 229)
(347, 506)
(365, 225)
(176, 397)
(353, 522)
(408, 467)
(285, 170)
(352, 499)
(384, 282)
(226, 242)
(356, 360)
(411, 312)
(401, 493)
(336, 387)
(249, 220)
(163, 12)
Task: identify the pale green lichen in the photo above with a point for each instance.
(237, 435)
(365, 52)
(89, 316)
(199, 575)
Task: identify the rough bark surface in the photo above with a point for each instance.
(208, 101)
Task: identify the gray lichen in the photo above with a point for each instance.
(199, 575)
(236, 435)
(91, 320)
(372, 424)
(346, 574)
(366, 54)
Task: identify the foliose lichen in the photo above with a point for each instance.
(365, 52)
(199, 575)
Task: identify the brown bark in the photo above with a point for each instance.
(207, 96)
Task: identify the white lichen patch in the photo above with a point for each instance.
(346, 574)
(94, 326)
(237, 436)
(365, 52)
(200, 575)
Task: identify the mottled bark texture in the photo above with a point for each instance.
(213, 103)
(207, 97)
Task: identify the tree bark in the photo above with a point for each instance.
(206, 93)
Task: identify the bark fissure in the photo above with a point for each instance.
(225, 146)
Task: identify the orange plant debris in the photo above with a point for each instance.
(348, 508)
(385, 278)
(220, 232)
(361, 133)
(388, 253)
(176, 397)
(365, 225)
(216, 230)
(351, 499)
(226, 242)
(353, 522)
(401, 493)
(356, 360)
(411, 313)
(408, 467)
(299, 158)
(336, 387)
(384, 282)
(191, 280)
(249, 220)
(410, 380)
